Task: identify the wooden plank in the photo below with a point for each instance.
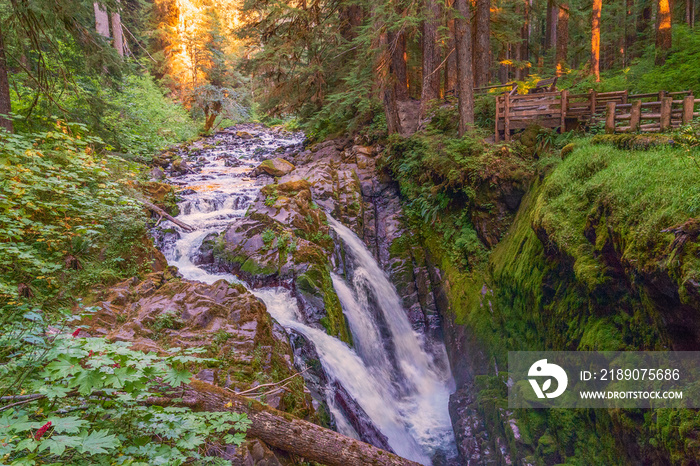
(610, 118)
(644, 96)
(534, 96)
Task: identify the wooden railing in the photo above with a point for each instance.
(666, 113)
(563, 110)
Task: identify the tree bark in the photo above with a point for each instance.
(663, 31)
(551, 32)
(397, 45)
(562, 38)
(117, 33)
(482, 45)
(5, 101)
(431, 57)
(283, 431)
(629, 33)
(163, 213)
(690, 13)
(465, 75)
(388, 85)
(595, 39)
(101, 20)
(451, 66)
(502, 69)
(350, 18)
(522, 48)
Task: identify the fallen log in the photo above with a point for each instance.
(282, 430)
(163, 213)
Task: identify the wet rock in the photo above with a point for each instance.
(274, 167)
(359, 420)
(205, 253)
(244, 135)
(156, 174)
(162, 311)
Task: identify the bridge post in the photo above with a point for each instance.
(665, 120)
(610, 118)
(497, 137)
(635, 115)
(688, 107)
(592, 98)
(564, 105)
(506, 117)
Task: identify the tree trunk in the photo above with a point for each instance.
(283, 431)
(629, 33)
(451, 66)
(101, 20)
(522, 48)
(117, 33)
(663, 31)
(482, 45)
(5, 101)
(397, 44)
(595, 39)
(562, 38)
(350, 19)
(690, 13)
(465, 75)
(388, 85)
(431, 77)
(502, 69)
(551, 32)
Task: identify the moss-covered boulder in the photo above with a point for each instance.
(274, 167)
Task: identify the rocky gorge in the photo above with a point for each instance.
(303, 272)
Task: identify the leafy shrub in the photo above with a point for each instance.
(87, 403)
(61, 207)
(143, 121)
(268, 236)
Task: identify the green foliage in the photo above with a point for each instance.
(441, 179)
(60, 200)
(640, 194)
(88, 403)
(141, 120)
(268, 236)
(271, 197)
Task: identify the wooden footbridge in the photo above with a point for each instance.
(621, 111)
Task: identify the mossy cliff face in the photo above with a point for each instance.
(602, 255)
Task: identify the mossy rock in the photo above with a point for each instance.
(275, 167)
(633, 141)
(567, 150)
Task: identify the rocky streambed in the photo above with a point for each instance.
(309, 232)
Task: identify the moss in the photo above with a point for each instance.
(552, 284)
(316, 281)
(633, 141)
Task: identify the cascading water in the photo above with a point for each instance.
(402, 388)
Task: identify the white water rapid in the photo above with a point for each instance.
(403, 389)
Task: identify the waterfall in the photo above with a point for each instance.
(425, 385)
(402, 388)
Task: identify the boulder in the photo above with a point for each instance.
(243, 135)
(274, 167)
